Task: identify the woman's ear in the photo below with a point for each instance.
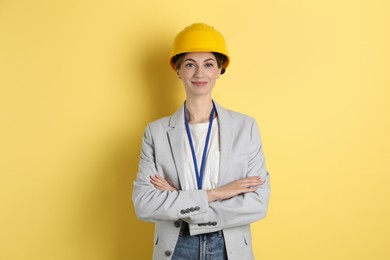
(178, 74)
(221, 71)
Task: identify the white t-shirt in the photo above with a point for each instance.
(211, 172)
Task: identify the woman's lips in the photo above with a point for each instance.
(199, 83)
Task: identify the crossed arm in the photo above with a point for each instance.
(244, 185)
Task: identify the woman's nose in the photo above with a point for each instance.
(198, 72)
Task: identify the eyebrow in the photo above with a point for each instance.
(209, 59)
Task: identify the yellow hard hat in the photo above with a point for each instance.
(199, 37)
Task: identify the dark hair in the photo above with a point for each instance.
(219, 57)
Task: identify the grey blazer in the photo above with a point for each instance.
(240, 156)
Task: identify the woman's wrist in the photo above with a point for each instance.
(212, 195)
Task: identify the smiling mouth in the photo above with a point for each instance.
(199, 83)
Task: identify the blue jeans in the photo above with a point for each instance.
(210, 246)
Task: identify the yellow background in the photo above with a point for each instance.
(80, 80)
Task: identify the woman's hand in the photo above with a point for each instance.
(160, 183)
(234, 188)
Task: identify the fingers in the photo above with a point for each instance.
(246, 183)
(251, 181)
(160, 183)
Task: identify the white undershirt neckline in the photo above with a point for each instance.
(211, 172)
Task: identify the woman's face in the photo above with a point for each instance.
(199, 71)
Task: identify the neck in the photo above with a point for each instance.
(198, 111)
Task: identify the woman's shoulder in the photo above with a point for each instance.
(238, 117)
(237, 114)
(168, 121)
(160, 122)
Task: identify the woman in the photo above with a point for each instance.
(202, 176)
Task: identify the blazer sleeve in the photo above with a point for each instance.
(242, 209)
(154, 205)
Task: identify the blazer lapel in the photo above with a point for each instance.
(225, 141)
(176, 137)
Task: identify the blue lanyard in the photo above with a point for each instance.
(199, 175)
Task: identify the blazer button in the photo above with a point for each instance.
(197, 208)
(167, 253)
(182, 211)
(187, 211)
(214, 223)
(176, 224)
(192, 209)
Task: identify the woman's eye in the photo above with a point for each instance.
(209, 65)
(190, 65)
